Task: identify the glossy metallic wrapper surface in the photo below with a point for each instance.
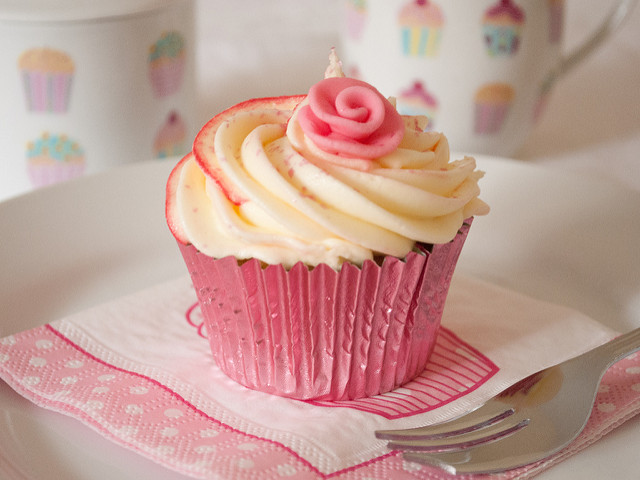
(316, 333)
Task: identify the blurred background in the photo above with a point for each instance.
(594, 111)
(249, 48)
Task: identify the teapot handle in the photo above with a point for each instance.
(618, 14)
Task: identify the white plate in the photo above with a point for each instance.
(569, 240)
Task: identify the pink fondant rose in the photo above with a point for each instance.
(351, 118)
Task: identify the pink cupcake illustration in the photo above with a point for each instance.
(54, 158)
(166, 64)
(171, 139)
(556, 20)
(502, 26)
(417, 100)
(47, 75)
(353, 71)
(355, 17)
(421, 23)
(492, 104)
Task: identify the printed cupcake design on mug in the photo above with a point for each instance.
(492, 104)
(556, 20)
(417, 100)
(166, 64)
(421, 23)
(353, 71)
(47, 75)
(53, 158)
(171, 139)
(502, 25)
(355, 17)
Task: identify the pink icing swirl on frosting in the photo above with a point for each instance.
(351, 118)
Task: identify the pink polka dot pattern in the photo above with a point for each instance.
(142, 414)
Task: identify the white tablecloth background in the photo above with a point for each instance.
(249, 48)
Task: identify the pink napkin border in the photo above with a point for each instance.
(237, 454)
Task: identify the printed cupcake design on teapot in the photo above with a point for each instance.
(492, 104)
(421, 23)
(417, 100)
(54, 158)
(171, 139)
(556, 20)
(47, 76)
(502, 26)
(353, 71)
(167, 60)
(355, 17)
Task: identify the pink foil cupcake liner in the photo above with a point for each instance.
(316, 333)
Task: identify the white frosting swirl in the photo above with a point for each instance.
(257, 186)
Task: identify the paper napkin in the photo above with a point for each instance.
(139, 371)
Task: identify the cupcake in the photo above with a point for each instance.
(492, 103)
(321, 232)
(421, 24)
(418, 101)
(502, 25)
(171, 139)
(54, 158)
(47, 75)
(355, 17)
(166, 64)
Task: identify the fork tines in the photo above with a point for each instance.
(491, 422)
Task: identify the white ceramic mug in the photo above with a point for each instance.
(481, 70)
(86, 85)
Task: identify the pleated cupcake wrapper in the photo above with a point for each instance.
(317, 333)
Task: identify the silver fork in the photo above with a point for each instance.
(527, 422)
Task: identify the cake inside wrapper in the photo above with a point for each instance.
(324, 334)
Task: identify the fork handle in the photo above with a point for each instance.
(619, 347)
